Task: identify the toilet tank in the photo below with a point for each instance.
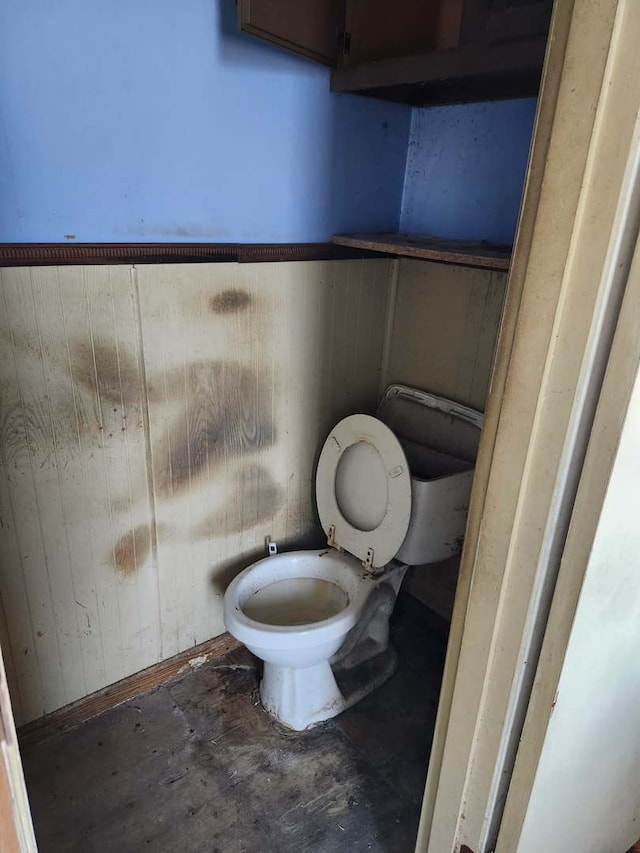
(440, 440)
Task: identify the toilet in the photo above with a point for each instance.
(392, 491)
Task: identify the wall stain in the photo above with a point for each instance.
(38, 428)
(132, 549)
(255, 498)
(227, 414)
(25, 342)
(230, 302)
(111, 370)
(23, 429)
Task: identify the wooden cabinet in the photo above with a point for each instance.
(377, 29)
(493, 21)
(419, 52)
(312, 28)
(344, 33)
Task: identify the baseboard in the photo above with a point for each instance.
(141, 682)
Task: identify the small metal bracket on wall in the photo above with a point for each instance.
(272, 547)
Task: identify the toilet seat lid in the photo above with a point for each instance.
(363, 490)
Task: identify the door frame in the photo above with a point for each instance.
(572, 257)
(16, 826)
(620, 382)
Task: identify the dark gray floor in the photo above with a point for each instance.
(197, 765)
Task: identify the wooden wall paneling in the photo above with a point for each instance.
(358, 317)
(157, 423)
(374, 305)
(28, 445)
(435, 586)
(445, 329)
(68, 363)
(77, 416)
(241, 306)
(347, 395)
(104, 364)
(58, 418)
(216, 432)
(284, 295)
(247, 348)
(335, 350)
(191, 390)
(302, 359)
(262, 509)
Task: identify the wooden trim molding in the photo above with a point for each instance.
(60, 254)
(148, 679)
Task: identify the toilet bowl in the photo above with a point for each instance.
(387, 498)
(294, 611)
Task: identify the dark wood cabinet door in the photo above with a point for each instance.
(378, 29)
(419, 52)
(312, 28)
(516, 19)
(491, 21)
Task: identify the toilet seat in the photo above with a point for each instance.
(363, 490)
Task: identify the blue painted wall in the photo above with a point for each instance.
(466, 168)
(156, 120)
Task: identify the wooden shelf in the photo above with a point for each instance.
(479, 254)
(476, 72)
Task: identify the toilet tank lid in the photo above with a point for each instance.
(432, 421)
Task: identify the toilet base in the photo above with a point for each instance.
(298, 698)
(301, 698)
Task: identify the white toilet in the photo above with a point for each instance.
(392, 492)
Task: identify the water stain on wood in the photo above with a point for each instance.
(107, 368)
(227, 414)
(230, 302)
(23, 343)
(38, 428)
(255, 498)
(24, 429)
(132, 549)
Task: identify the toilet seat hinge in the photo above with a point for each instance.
(331, 538)
(367, 563)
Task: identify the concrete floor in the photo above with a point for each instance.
(197, 765)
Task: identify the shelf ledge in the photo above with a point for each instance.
(464, 253)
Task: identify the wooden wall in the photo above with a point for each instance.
(157, 422)
(445, 328)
